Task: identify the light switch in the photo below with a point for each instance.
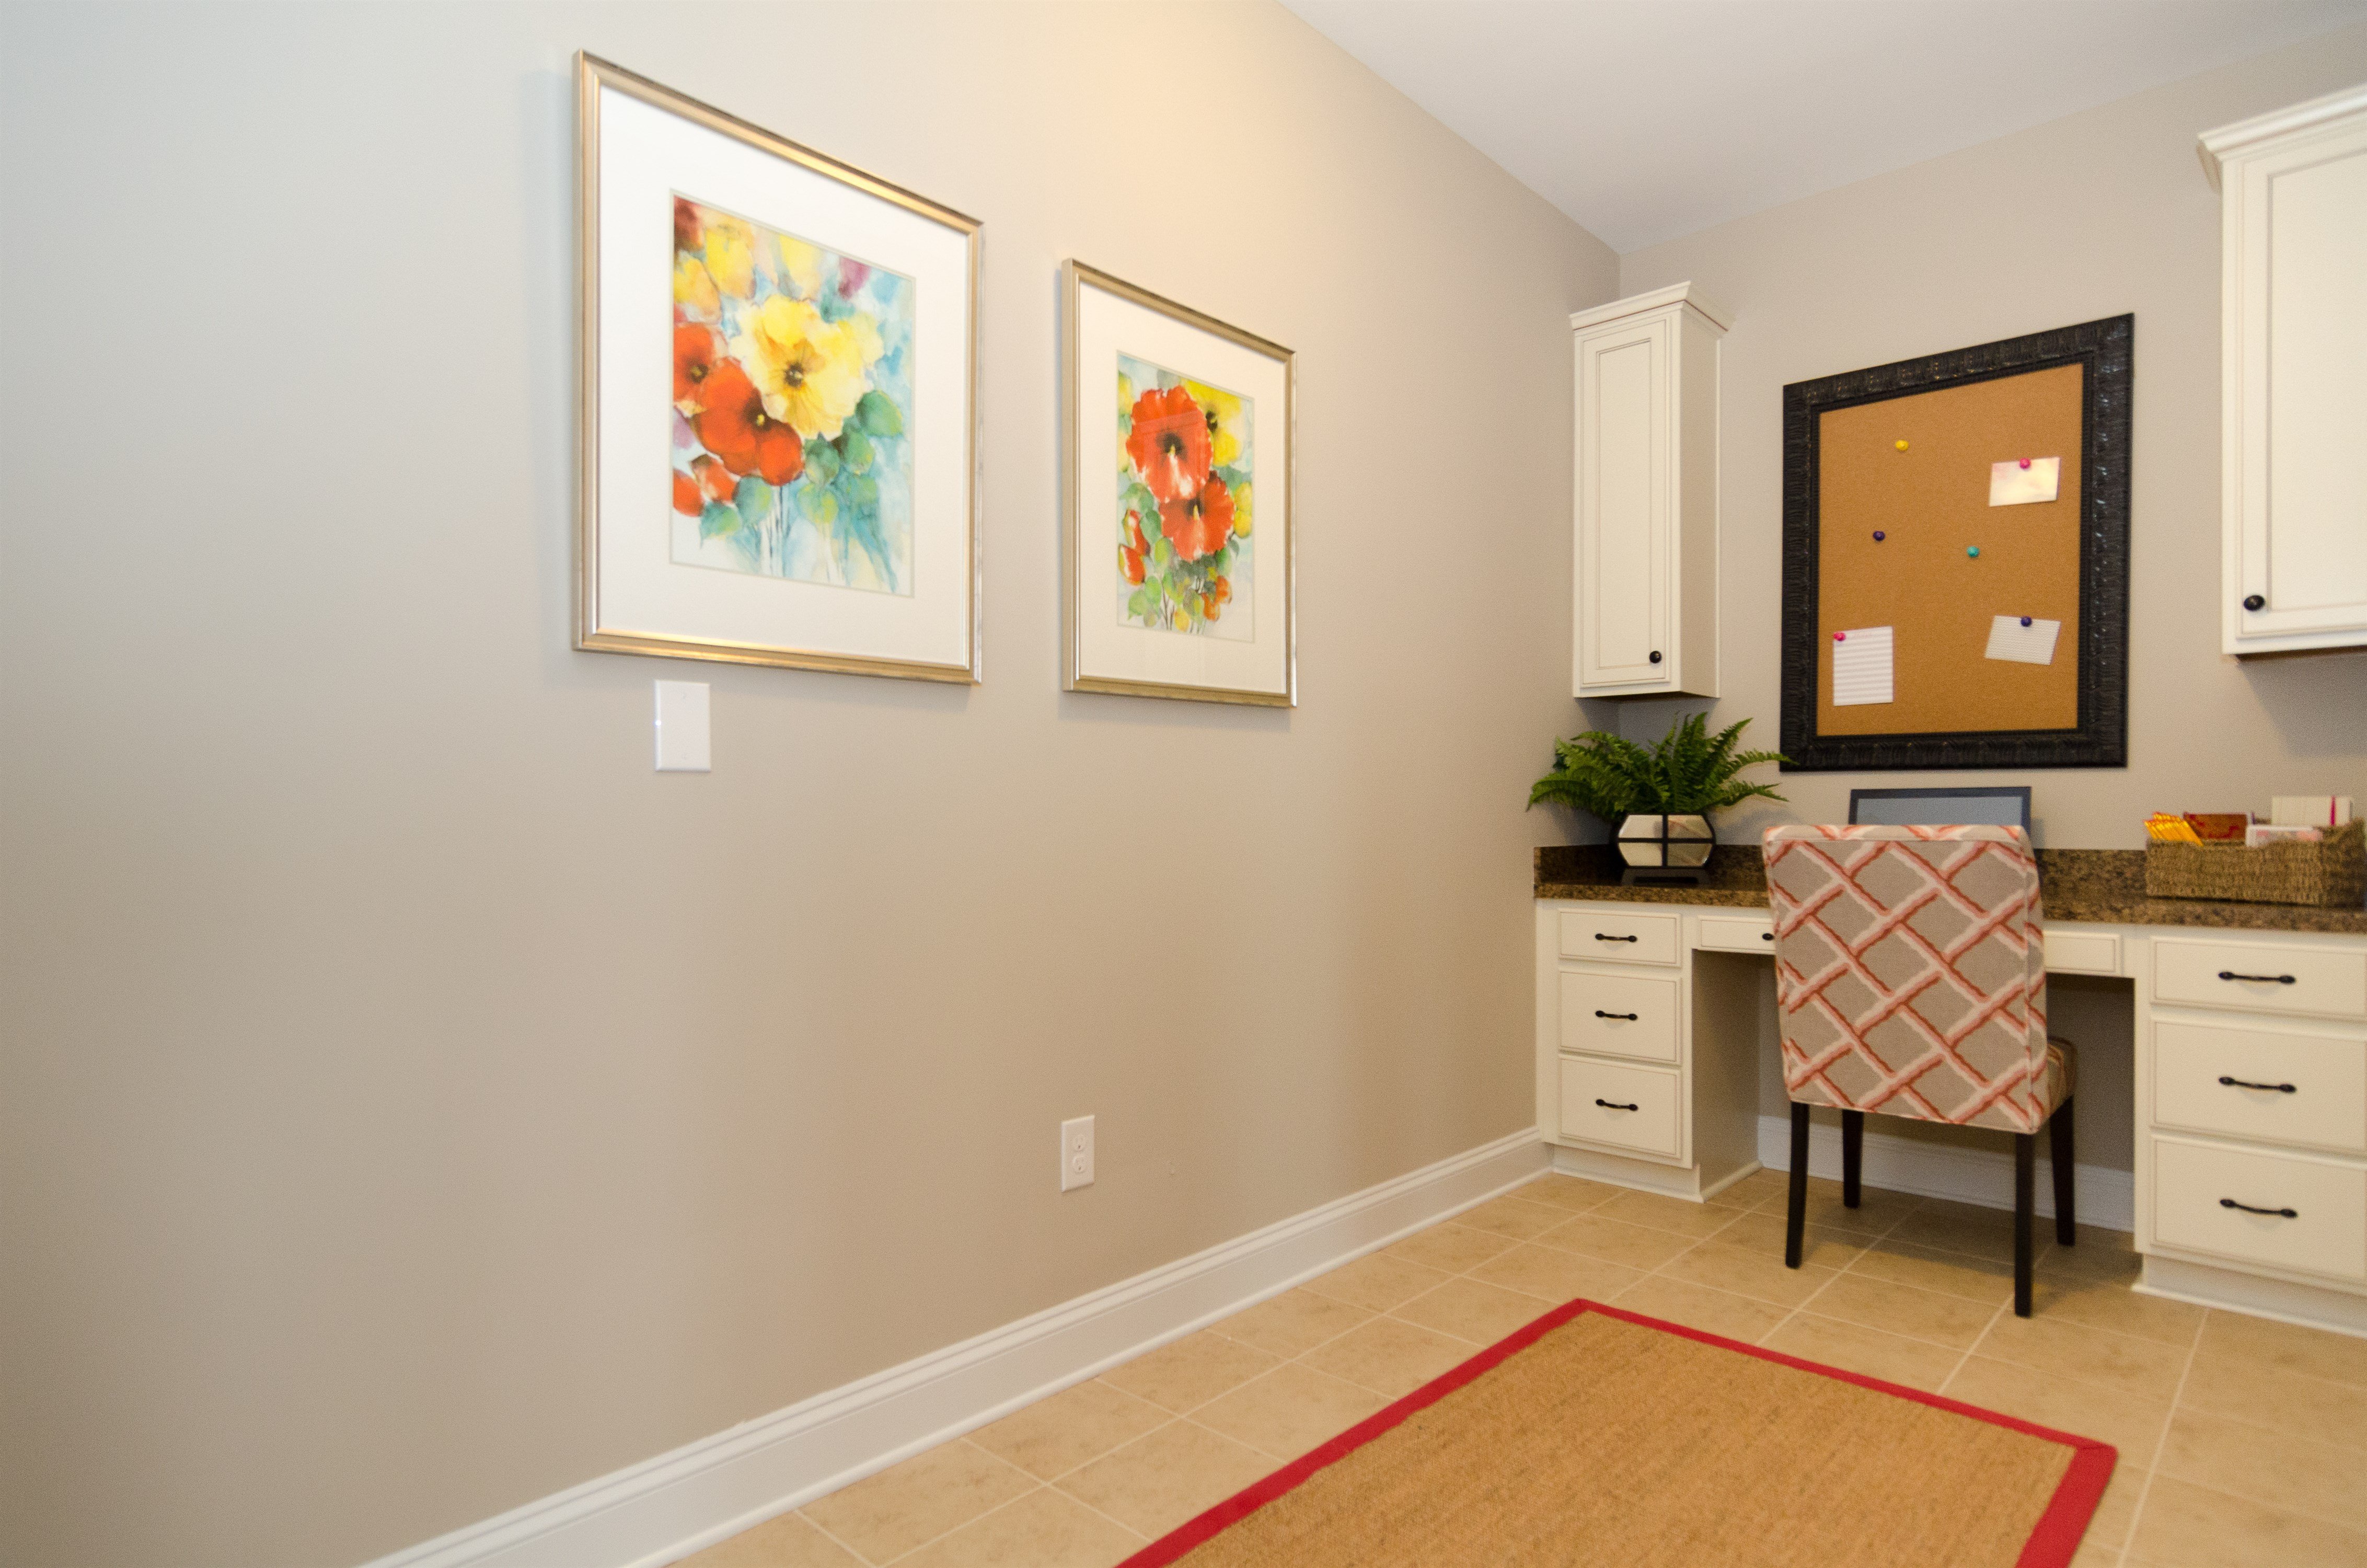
(681, 726)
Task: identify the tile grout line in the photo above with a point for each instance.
(2161, 1444)
(1007, 1502)
(846, 1546)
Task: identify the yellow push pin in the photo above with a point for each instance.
(1900, 445)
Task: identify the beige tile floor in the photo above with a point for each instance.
(2242, 1442)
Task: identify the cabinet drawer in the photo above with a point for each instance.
(2193, 1184)
(1619, 938)
(2325, 1108)
(1739, 933)
(1629, 1108)
(2083, 952)
(1618, 1015)
(2261, 978)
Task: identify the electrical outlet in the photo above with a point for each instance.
(1077, 1153)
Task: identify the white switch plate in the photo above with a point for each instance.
(681, 726)
(1077, 1153)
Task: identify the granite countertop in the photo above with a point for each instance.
(2104, 887)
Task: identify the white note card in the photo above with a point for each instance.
(1861, 667)
(2024, 480)
(2026, 640)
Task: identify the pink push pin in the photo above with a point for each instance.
(1841, 636)
(2025, 462)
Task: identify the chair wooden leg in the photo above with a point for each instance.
(1795, 1218)
(1853, 1155)
(2060, 1152)
(2025, 1182)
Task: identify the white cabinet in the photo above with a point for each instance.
(2293, 189)
(1645, 574)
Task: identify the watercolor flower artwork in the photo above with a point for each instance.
(792, 407)
(1184, 503)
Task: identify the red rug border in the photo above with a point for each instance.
(2051, 1544)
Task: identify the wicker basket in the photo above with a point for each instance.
(2331, 873)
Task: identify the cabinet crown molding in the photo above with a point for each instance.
(1659, 299)
(2215, 147)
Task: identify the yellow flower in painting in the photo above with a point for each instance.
(800, 268)
(1228, 423)
(1241, 511)
(732, 255)
(865, 334)
(693, 288)
(808, 371)
(1125, 402)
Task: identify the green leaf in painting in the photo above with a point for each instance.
(878, 415)
(720, 520)
(819, 505)
(754, 498)
(1162, 556)
(859, 490)
(1234, 478)
(1139, 497)
(822, 463)
(855, 448)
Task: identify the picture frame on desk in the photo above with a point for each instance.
(1991, 618)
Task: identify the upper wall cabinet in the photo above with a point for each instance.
(1644, 569)
(2292, 190)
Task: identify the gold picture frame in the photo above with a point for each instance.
(1148, 603)
(817, 592)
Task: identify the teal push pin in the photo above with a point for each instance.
(1973, 551)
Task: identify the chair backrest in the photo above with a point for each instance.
(1910, 970)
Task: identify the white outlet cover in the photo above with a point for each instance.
(1076, 1154)
(681, 726)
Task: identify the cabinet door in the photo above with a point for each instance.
(1625, 488)
(2297, 341)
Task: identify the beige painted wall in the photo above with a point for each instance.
(2104, 212)
(413, 1104)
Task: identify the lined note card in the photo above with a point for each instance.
(1861, 667)
(2026, 640)
(2024, 480)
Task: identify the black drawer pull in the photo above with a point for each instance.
(2231, 1203)
(2279, 979)
(1766, 935)
(1601, 937)
(1629, 1017)
(2241, 1084)
(1608, 1106)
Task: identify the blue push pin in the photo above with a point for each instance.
(1877, 536)
(2025, 621)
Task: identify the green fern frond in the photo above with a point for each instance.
(1690, 771)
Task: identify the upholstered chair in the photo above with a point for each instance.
(1911, 978)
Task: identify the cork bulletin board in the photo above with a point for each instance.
(1955, 558)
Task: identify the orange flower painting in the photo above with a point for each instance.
(1184, 495)
(792, 406)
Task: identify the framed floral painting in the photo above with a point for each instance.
(779, 391)
(1177, 501)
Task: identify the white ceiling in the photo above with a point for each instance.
(1645, 119)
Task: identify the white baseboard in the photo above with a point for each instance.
(2101, 1197)
(2287, 1301)
(666, 1507)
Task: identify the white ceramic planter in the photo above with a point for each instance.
(1685, 841)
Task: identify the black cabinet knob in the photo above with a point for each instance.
(1656, 656)
(2253, 601)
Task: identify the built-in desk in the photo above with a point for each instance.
(1648, 1008)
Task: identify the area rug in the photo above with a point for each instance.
(1594, 1437)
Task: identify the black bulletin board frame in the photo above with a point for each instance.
(2101, 740)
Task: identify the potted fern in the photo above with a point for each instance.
(1657, 797)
